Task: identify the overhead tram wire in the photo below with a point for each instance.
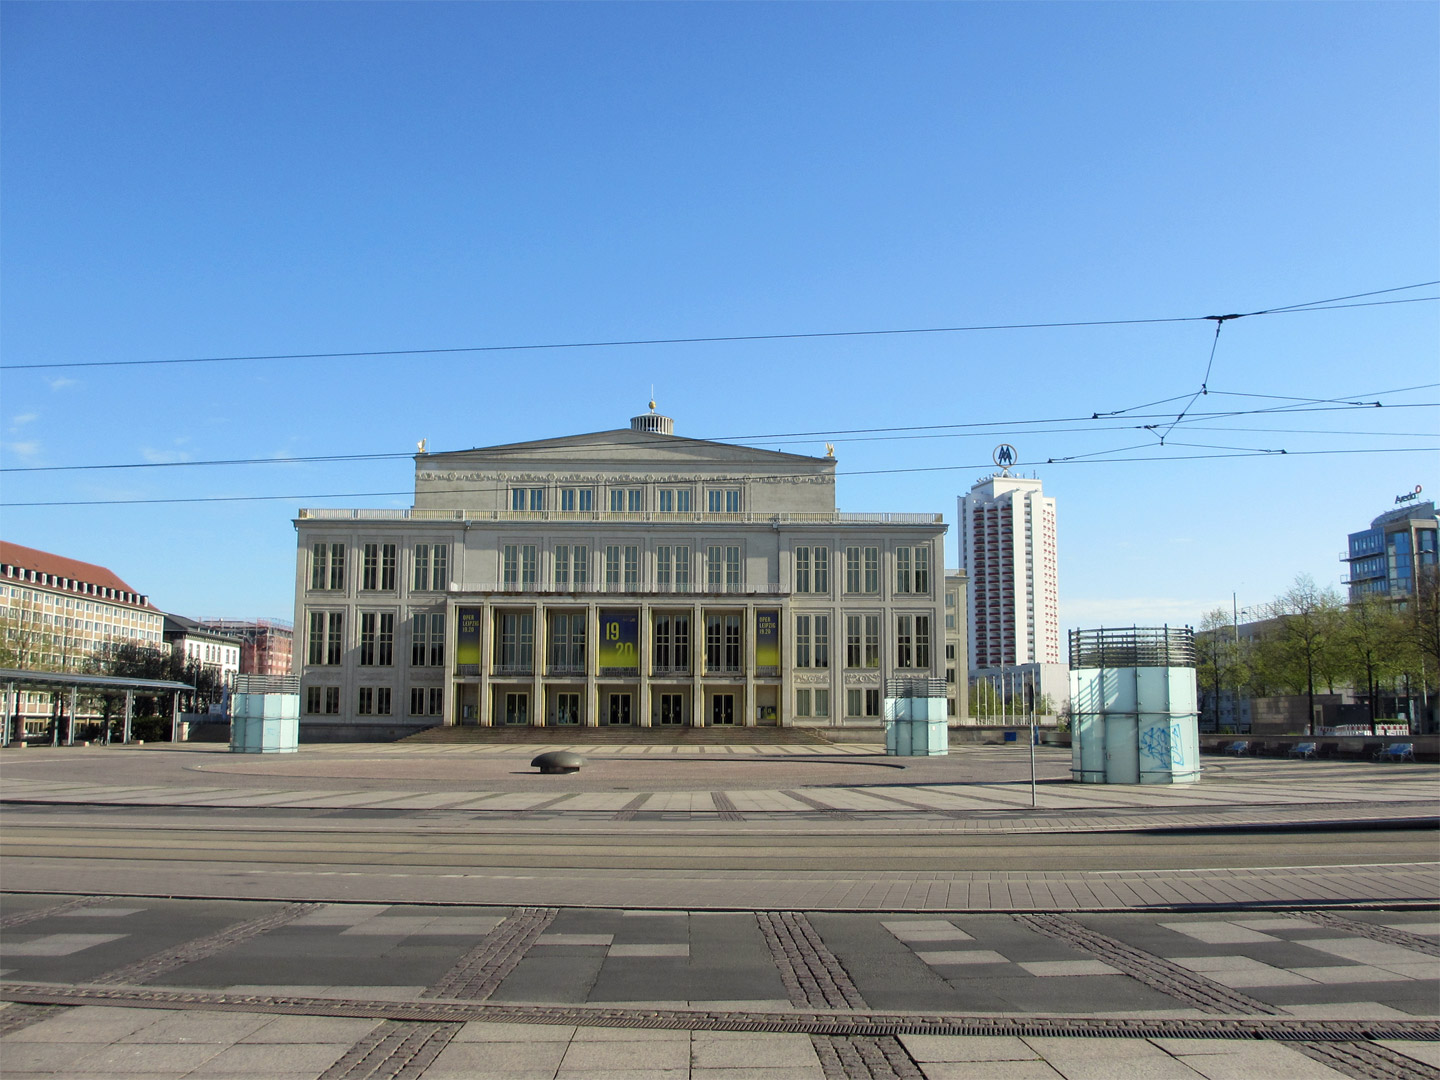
(1314, 305)
(877, 434)
(1078, 459)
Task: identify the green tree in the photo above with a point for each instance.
(1302, 647)
(1372, 646)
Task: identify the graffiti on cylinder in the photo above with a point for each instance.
(1163, 745)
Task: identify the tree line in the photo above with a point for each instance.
(1310, 640)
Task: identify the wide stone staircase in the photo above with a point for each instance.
(678, 735)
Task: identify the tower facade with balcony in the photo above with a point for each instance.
(620, 577)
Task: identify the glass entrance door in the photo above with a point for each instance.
(672, 708)
(517, 708)
(619, 709)
(722, 709)
(567, 709)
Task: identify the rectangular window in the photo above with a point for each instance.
(510, 566)
(632, 568)
(872, 570)
(802, 569)
(664, 568)
(922, 641)
(682, 568)
(378, 573)
(922, 569)
(326, 637)
(802, 702)
(432, 567)
(802, 641)
(515, 643)
(714, 568)
(580, 567)
(872, 641)
(574, 500)
(567, 643)
(427, 701)
(853, 653)
(366, 705)
(427, 640)
(822, 570)
(517, 498)
(722, 643)
(852, 570)
(902, 570)
(854, 702)
(682, 500)
(822, 641)
(732, 500)
(327, 566)
(904, 642)
(612, 567)
(635, 500)
(617, 500)
(377, 639)
(312, 699)
(714, 501)
(732, 569)
(562, 566)
(872, 702)
(666, 503)
(822, 702)
(529, 566)
(672, 645)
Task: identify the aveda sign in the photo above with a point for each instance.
(1409, 496)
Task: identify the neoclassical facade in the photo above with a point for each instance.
(620, 577)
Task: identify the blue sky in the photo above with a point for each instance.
(201, 180)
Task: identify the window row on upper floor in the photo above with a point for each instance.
(629, 498)
(679, 567)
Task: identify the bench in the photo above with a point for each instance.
(1400, 751)
(1303, 750)
(1237, 748)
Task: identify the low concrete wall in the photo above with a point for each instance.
(1427, 747)
(318, 731)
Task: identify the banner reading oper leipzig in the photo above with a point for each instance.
(619, 643)
(467, 641)
(767, 639)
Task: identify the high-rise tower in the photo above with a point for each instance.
(1007, 544)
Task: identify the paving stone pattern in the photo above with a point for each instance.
(1366, 1061)
(1387, 934)
(811, 972)
(393, 1051)
(167, 960)
(1152, 970)
(480, 972)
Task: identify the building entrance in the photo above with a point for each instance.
(517, 708)
(619, 710)
(722, 709)
(567, 709)
(672, 708)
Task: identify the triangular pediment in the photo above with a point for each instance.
(622, 445)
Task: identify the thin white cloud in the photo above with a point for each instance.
(62, 383)
(27, 450)
(163, 457)
(1132, 611)
(23, 419)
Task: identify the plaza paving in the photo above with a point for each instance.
(1326, 969)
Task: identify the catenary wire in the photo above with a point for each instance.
(729, 338)
(849, 435)
(1082, 459)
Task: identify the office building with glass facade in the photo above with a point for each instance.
(1387, 557)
